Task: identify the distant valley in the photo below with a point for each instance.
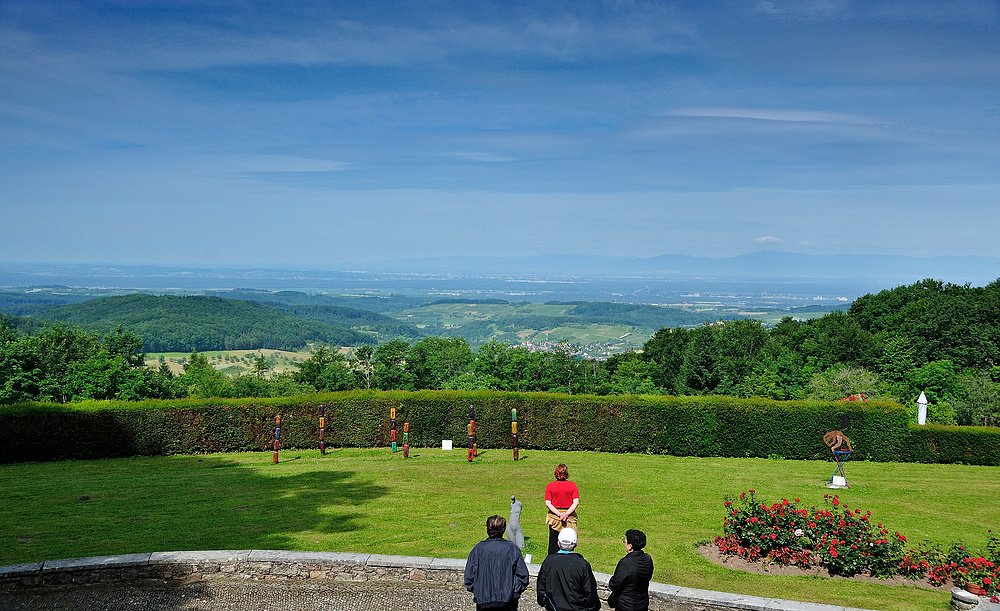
(241, 320)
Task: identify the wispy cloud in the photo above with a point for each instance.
(282, 163)
(767, 239)
(972, 12)
(811, 9)
(764, 114)
(485, 157)
(326, 34)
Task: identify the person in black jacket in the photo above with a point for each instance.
(566, 582)
(495, 572)
(630, 584)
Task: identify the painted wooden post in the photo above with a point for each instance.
(392, 428)
(513, 430)
(322, 425)
(473, 449)
(277, 436)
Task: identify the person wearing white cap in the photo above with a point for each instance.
(566, 582)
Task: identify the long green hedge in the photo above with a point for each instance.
(683, 426)
(971, 445)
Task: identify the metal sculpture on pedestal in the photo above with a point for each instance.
(513, 431)
(473, 450)
(840, 445)
(406, 440)
(277, 436)
(322, 426)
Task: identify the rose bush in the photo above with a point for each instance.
(845, 541)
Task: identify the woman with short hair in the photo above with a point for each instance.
(561, 498)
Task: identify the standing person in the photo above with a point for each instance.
(630, 584)
(495, 572)
(561, 499)
(566, 582)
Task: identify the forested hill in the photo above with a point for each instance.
(640, 315)
(170, 323)
(368, 303)
(361, 313)
(383, 327)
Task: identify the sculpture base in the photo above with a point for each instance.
(837, 482)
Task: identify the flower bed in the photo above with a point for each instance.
(846, 542)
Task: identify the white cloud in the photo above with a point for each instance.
(767, 239)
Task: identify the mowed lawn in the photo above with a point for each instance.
(436, 504)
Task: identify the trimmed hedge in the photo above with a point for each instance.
(971, 445)
(682, 426)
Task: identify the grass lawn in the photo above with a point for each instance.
(436, 504)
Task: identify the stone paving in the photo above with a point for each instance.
(235, 595)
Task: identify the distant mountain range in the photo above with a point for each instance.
(765, 264)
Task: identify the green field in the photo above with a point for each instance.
(525, 322)
(232, 362)
(612, 329)
(435, 504)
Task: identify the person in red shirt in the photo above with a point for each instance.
(561, 499)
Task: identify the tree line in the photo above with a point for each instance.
(932, 337)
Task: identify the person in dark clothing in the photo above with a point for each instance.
(566, 582)
(495, 572)
(630, 584)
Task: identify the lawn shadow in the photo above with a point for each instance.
(267, 510)
(186, 503)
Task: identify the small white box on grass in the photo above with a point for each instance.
(446, 444)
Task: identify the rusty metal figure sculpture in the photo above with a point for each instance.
(835, 439)
(840, 445)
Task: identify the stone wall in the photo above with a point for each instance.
(268, 565)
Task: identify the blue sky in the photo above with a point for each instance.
(296, 133)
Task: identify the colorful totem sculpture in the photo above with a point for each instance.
(322, 426)
(513, 430)
(277, 436)
(473, 450)
(406, 440)
(392, 428)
